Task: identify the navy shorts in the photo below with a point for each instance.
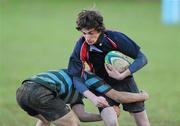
(128, 85)
(36, 99)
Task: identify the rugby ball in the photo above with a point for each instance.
(118, 60)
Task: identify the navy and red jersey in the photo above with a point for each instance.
(94, 55)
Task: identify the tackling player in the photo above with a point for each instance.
(45, 96)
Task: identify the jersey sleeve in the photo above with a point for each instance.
(79, 84)
(131, 49)
(75, 65)
(126, 45)
(138, 63)
(95, 83)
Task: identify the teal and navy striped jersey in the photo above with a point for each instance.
(60, 82)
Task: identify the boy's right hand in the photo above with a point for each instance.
(100, 101)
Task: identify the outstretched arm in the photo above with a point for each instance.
(98, 101)
(85, 116)
(101, 86)
(126, 97)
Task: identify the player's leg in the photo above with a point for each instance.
(141, 118)
(42, 121)
(136, 109)
(70, 119)
(109, 116)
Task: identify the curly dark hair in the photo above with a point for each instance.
(89, 19)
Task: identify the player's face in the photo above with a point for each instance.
(90, 35)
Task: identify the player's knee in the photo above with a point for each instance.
(111, 110)
(109, 116)
(112, 122)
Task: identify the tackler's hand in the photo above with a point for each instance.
(100, 102)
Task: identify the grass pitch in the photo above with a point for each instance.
(39, 35)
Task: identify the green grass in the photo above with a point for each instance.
(39, 35)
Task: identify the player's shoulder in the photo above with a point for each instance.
(81, 40)
(113, 33)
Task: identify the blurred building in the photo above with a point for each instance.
(171, 11)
